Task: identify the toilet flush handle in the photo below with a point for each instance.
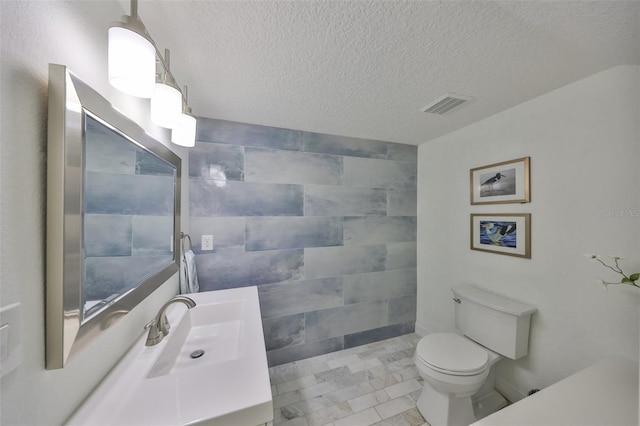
(457, 300)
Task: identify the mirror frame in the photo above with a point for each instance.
(66, 333)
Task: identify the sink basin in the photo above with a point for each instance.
(211, 369)
(208, 334)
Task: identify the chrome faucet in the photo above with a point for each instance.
(159, 327)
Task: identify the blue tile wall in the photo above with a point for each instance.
(324, 225)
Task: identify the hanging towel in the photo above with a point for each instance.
(188, 274)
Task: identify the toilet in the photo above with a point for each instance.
(456, 367)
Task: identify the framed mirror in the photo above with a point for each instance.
(113, 216)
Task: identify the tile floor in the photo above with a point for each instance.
(375, 384)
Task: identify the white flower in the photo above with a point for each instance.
(591, 256)
(604, 285)
(616, 256)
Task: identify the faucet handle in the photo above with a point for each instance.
(155, 335)
(148, 325)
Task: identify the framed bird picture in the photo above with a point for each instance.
(508, 234)
(501, 183)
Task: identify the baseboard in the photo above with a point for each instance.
(508, 390)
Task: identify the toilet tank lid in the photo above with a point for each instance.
(493, 300)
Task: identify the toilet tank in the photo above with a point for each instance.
(496, 322)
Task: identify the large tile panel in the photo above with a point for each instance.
(128, 194)
(370, 173)
(377, 334)
(402, 309)
(321, 325)
(401, 255)
(107, 235)
(338, 261)
(227, 232)
(278, 166)
(207, 198)
(233, 268)
(402, 202)
(379, 229)
(152, 235)
(148, 164)
(295, 297)
(108, 152)
(106, 276)
(379, 285)
(402, 152)
(342, 145)
(230, 132)
(268, 233)
(216, 161)
(320, 200)
(283, 331)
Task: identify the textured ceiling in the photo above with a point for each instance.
(365, 68)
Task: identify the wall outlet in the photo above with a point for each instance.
(207, 242)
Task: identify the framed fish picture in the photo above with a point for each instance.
(501, 183)
(508, 234)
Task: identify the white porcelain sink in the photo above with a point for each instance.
(216, 329)
(228, 384)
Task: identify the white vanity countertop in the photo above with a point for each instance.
(605, 393)
(237, 391)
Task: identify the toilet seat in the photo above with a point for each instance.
(452, 354)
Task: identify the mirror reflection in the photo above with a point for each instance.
(128, 215)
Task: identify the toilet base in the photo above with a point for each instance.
(441, 409)
(488, 403)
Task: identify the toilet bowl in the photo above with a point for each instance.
(454, 368)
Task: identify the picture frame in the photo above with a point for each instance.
(501, 183)
(508, 234)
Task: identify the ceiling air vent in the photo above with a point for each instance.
(447, 103)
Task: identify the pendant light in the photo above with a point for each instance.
(184, 133)
(133, 60)
(166, 103)
(132, 56)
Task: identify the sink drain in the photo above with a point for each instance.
(197, 354)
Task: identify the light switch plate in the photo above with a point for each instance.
(10, 338)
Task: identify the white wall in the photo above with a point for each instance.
(584, 144)
(34, 34)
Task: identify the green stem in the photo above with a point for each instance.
(618, 270)
(610, 267)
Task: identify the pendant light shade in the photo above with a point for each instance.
(166, 103)
(132, 62)
(184, 134)
(166, 106)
